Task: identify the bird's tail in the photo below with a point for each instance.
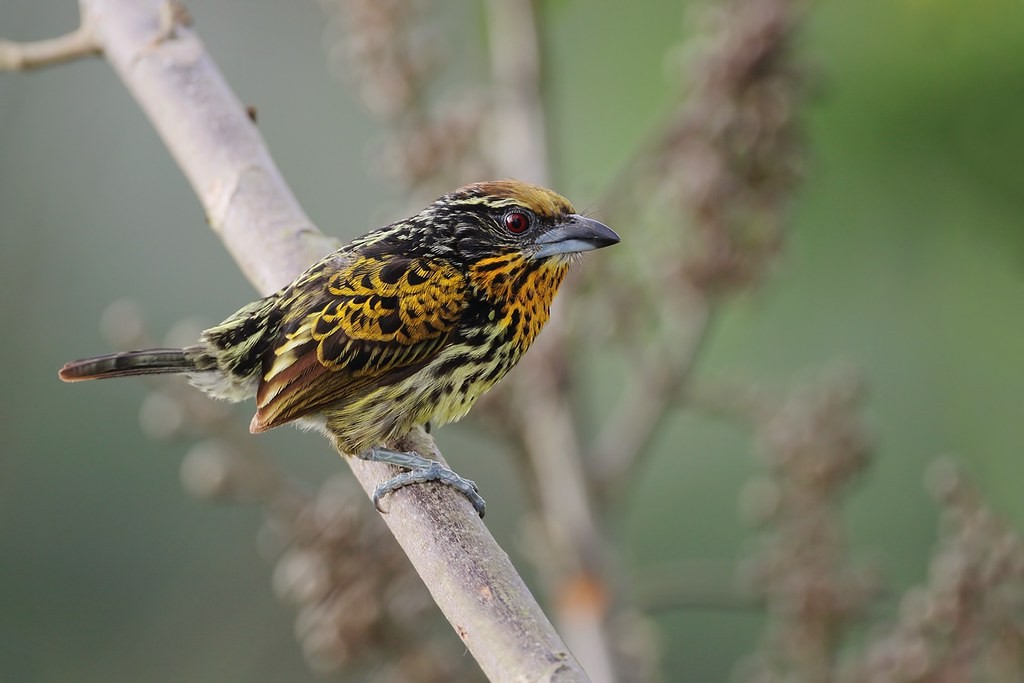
(128, 363)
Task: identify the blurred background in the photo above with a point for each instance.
(902, 264)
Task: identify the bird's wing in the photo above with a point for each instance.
(375, 321)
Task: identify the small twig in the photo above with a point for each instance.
(36, 54)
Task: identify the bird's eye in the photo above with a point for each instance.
(516, 222)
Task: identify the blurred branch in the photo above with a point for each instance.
(520, 147)
(575, 563)
(24, 56)
(651, 392)
(251, 208)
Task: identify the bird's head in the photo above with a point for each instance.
(508, 217)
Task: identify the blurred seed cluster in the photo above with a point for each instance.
(731, 157)
(391, 53)
(728, 159)
(966, 622)
(360, 605)
(813, 446)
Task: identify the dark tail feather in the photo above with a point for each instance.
(128, 363)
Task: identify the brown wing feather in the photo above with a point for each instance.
(377, 321)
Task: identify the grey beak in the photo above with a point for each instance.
(575, 234)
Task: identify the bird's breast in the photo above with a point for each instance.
(519, 292)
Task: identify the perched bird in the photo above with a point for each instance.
(407, 325)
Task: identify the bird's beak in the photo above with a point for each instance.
(573, 235)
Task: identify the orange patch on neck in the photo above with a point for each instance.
(524, 289)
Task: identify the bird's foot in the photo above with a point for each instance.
(420, 470)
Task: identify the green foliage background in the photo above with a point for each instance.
(905, 259)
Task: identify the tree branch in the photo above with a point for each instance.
(248, 204)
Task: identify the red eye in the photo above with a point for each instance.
(516, 222)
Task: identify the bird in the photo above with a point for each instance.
(404, 327)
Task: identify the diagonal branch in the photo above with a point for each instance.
(248, 204)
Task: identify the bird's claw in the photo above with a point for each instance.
(421, 470)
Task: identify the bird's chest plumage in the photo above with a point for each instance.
(509, 304)
(518, 293)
